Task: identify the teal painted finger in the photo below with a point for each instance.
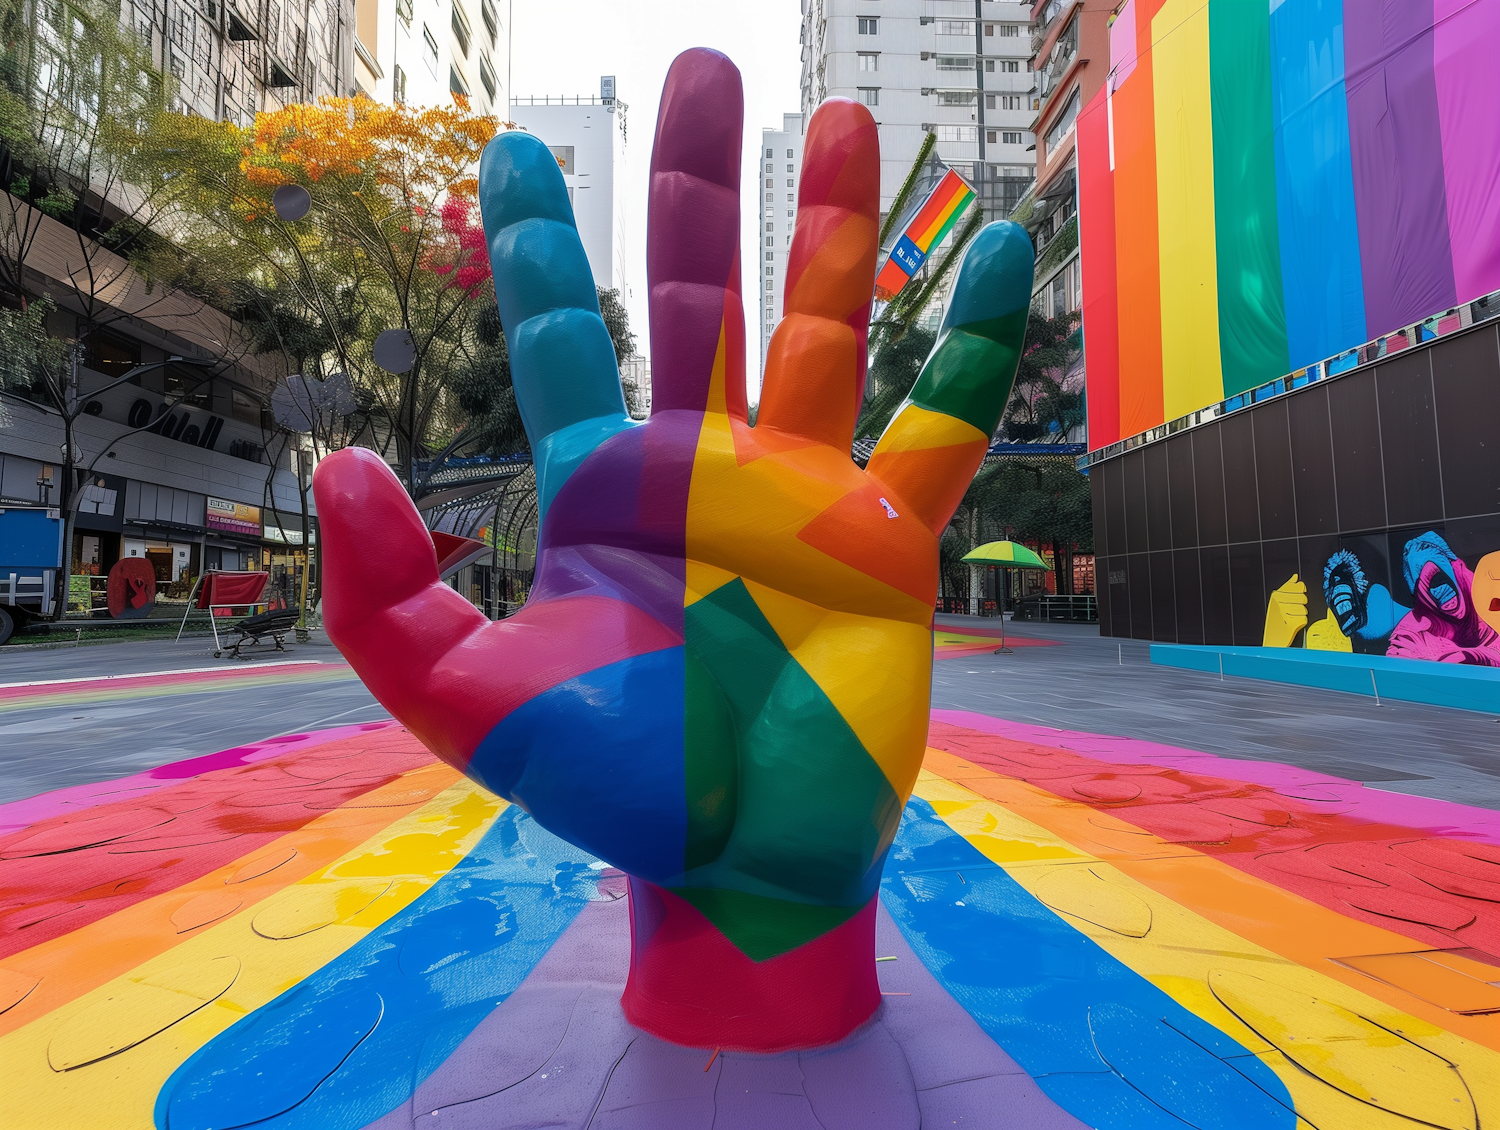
(972, 366)
(562, 361)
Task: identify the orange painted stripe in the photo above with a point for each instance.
(1278, 920)
(67, 967)
(1136, 246)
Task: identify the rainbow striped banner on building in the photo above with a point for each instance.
(933, 221)
(1265, 185)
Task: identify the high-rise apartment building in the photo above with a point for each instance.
(232, 58)
(587, 136)
(955, 68)
(780, 174)
(423, 52)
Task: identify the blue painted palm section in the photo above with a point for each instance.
(562, 361)
(352, 1042)
(1106, 1044)
(599, 761)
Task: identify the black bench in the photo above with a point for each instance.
(276, 624)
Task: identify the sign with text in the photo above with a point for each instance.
(233, 517)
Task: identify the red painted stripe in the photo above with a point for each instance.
(63, 872)
(1438, 890)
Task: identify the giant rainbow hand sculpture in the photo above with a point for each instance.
(720, 683)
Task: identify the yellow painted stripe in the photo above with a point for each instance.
(165, 1009)
(1190, 368)
(1181, 953)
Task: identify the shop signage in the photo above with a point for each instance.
(173, 426)
(233, 517)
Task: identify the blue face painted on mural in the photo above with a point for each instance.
(1429, 568)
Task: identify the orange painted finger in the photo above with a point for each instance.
(815, 367)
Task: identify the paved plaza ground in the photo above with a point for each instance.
(1122, 896)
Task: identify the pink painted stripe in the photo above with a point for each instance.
(1435, 817)
(171, 678)
(20, 813)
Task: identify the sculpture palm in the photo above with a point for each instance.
(720, 682)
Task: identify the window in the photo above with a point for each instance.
(790, 197)
(487, 76)
(770, 255)
(770, 183)
(869, 25)
(790, 183)
(957, 133)
(788, 153)
(869, 60)
(456, 82)
(869, 95)
(989, 66)
(770, 152)
(398, 86)
(768, 166)
(1010, 102)
(991, 136)
(770, 196)
(430, 52)
(770, 270)
(1010, 31)
(770, 239)
(770, 284)
(955, 27)
(491, 21)
(770, 225)
(403, 12)
(790, 169)
(1010, 66)
(957, 97)
(955, 62)
(989, 29)
(461, 32)
(989, 103)
(1010, 138)
(1064, 124)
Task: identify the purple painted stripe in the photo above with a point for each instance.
(77, 798)
(1466, 48)
(1397, 152)
(1435, 817)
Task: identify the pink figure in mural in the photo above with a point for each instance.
(1444, 625)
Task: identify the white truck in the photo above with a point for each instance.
(31, 543)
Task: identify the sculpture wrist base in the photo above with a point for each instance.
(691, 985)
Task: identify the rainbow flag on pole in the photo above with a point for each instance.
(928, 227)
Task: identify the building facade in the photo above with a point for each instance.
(587, 136)
(955, 68)
(424, 52)
(780, 175)
(234, 58)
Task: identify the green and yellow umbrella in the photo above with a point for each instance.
(1006, 554)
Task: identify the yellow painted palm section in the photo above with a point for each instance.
(920, 429)
(109, 1052)
(864, 666)
(1349, 1061)
(1191, 373)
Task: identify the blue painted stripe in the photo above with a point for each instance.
(352, 1042)
(1103, 1042)
(1321, 272)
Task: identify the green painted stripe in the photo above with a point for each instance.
(1252, 310)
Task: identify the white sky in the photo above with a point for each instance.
(563, 48)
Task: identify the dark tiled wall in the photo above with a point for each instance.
(1193, 533)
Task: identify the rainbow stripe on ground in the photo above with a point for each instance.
(328, 929)
(124, 688)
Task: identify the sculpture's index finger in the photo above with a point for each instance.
(693, 230)
(562, 360)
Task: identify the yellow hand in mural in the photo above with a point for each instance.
(1286, 614)
(1326, 635)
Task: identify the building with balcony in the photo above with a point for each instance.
(780, 175)
(424, 52)
(954, 68)
(587, 136)
(1070, 45)
(234, 58)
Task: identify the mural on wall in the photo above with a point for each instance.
(1441, 610)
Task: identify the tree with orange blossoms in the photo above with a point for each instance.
(387, 242)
